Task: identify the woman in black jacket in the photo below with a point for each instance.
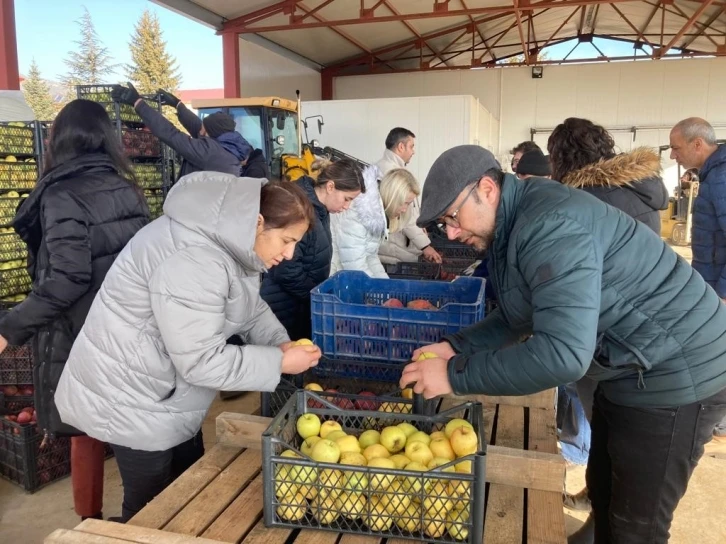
(76, 220)
(286, 287)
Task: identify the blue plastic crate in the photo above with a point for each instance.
(349, 321)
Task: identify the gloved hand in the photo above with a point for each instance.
(125, 95)
(168, 99)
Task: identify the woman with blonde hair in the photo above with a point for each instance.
(399, 191)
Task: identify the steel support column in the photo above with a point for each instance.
(9, 73)
(230, 65)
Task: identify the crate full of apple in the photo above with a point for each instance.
(383, 474)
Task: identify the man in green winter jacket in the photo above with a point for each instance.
(594, 292)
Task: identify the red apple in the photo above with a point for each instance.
(28, 409)
(10, 390)
(393, 303)
(24, 417)
(366, 404)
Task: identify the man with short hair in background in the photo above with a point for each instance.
(519, 150)
(693, 145)
(400, 144)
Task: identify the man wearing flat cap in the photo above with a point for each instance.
(594, 292)
(214, 144)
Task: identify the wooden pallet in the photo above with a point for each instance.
(219, 499)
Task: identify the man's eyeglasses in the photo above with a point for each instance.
(451, 219)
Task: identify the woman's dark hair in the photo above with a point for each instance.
(345, 175)
(283, 204)
(576, 143)
(83, 127)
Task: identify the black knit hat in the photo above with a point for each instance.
(218, 123)
(534, 163)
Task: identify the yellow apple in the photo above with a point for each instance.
(441, 447)
(377, 518)
(328, 427)
(355, 481)
(427, 355)
(284, 488)
(437, 434)
(464, 467)
(380, 481)
(300, 476)
(307, 446)
(407, 428)
(460, 488)
(410, 520)
(352, 458)
(334, 435)
(324, 510)
(314, 387)
(440, 461)
(435, 528)
(414, 484)
(368, 438)
(395, 408)
(419, 436)
(393, 439)
(407, 393)
(437, 502)
(456, 524)
(395, 500)
(348, 443)
(308, 425)
(454, 424)
(464, 441)
(292, 507)
(330, 483)
(374, 451)
(351, 505)
(400, 460)
(419, 452)
(326, 451)
(304, 342)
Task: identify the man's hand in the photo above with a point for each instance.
(168, 99)
(287, 345)
(3, 343)
(442, 349)
(428, 377)
(431, 255)
(125, 95)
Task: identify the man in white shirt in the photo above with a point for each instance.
(400, 148)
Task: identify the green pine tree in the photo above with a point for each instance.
(37, 95)
(152, 67)
(91, 64)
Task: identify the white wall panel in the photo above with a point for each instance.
(615, 94)
(265, 73)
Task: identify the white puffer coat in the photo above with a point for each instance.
(152, 352)
(359, 231)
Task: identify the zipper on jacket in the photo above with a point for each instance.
(641, 380)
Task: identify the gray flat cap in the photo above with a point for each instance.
(449, 175)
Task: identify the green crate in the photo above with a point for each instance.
(17, 138)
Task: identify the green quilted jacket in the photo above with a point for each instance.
(597, 293)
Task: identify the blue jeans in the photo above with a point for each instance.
(572, 425)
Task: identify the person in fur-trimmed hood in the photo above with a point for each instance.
(583, 156)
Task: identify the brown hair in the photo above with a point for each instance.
(283, 204)
(577, 143)
(345, 175)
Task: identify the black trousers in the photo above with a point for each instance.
(640, 462)
(145, 474)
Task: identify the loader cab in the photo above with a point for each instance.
(267, 123)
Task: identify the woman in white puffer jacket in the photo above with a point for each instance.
(359, 231)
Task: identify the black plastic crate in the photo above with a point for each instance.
(441, 504)
(12, 248)
(15, 403)
(150, 175)
(17, 139)
(9, 202)
(14, 281)
(155, 201)
(140, 143)
(16, 365)
(413, 271)
(347, 379)
(121, 114)
(20, 176)
(24, 462)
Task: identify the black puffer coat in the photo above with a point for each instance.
(256, 166)
(630, 182)
(75, 222)
(286, 287)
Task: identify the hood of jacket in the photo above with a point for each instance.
(368, 205)
(235, 144)
(221, 207)
(716, 160)
(29, 210)
(639, 171)
(306, 184)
